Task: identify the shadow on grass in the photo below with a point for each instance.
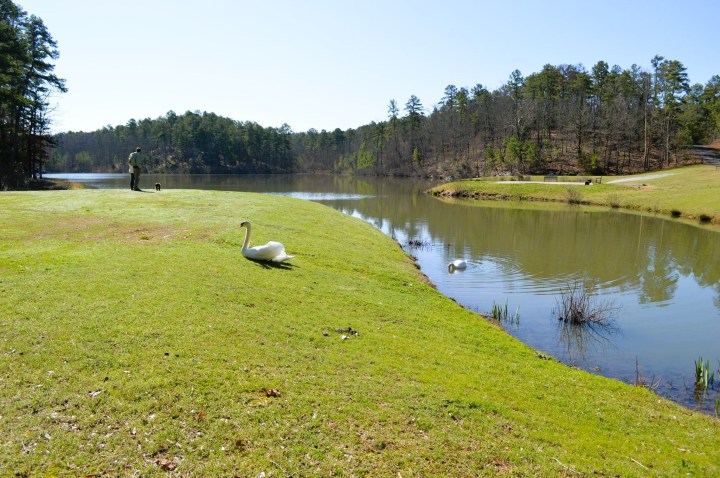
(272, 265)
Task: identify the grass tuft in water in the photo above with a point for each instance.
(640, 381)
(418, 243)
(704, 377)
(500, 313)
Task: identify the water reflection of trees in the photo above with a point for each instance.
(580, 341)
(627, 251)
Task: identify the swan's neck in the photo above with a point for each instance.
(247, 237)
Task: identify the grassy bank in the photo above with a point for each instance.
(691, 192)
(138, 341)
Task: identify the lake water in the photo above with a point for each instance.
(660, 276)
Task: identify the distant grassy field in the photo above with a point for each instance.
(691, 192)
(137, 341)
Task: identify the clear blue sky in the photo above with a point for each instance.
(329, 64)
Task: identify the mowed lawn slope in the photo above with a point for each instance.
(137, 341)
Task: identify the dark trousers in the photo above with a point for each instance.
(135, 179)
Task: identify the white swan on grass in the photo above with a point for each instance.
(457, 265)
(272, 251)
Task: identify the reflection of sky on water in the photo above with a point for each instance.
(322, 196)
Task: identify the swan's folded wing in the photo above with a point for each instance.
(272, 251)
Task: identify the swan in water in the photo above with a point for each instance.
(272, 251)
(457, 265)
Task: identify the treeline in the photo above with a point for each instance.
(564, 118)
(194, 143)
(26, 81)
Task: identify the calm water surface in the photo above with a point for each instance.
(661, 276)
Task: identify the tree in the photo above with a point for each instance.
(695, 123)
(450, 99)
(711, 100)
(515, 86)
(26, 81)
(413, 119)
(673, 86)
(12, 55)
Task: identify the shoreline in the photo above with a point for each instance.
(664, 193)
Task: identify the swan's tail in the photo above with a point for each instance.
(282, 258)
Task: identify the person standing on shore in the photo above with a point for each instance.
(134, 160)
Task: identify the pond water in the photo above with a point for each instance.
(659, 276)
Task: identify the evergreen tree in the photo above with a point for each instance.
(26, 81)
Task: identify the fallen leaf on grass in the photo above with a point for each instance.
(166, 464)
(271, 392)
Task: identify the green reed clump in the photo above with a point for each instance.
(704, 377)
(500, 314)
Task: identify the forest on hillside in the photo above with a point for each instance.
(564, 118)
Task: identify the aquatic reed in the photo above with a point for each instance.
(704, 377)
(500, 314)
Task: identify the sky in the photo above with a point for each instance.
(327, 64)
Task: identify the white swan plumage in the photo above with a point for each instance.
(272, 251)
(457, 265)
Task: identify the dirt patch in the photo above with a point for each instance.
(83, 229)
(640, 178)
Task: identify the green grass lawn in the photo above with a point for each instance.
(691, 192)
(137, 341)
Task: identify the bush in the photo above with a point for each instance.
(573, 196)
(576, 305)
(613, 200)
